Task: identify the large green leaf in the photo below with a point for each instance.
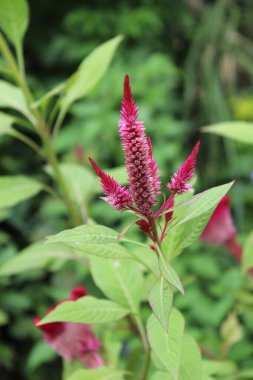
(14, 17)
(103, 373)
(160, 375)
(89, 73)
(161, 298)
(191, 362)
(14, 189)
(93, 240)
(202, 203)
(247, 257)
(119, 280)
(36, 256)
(222, 368)
(241, 131)
(167, 346)
(86, 310)
(12, 97)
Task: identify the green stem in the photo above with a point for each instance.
(142, 332)
(20, 59)
(58, 123)
(52, 159)
(146, 365)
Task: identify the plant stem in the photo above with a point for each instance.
(146, 365)
(42, 129)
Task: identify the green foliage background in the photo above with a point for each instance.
(190, 64)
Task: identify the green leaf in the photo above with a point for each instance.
(119, 280)
(161, 298)
(247, 257)
(102, 373)
(160, 375)
(202, 203)
(95, 240)
(6, 122)
(86, 310)
(80, 181)
(89, 73)
(169, 274)
(36, 256)
(12, 97)
(184, 235)
(167, 346)
(223, 368)
(191, 361)
(241, 131)
(14, 189)
(14, 17)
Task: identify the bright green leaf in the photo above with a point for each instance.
(103, 373)
(161, 298)
(14, 17)
(14, 189)
(12, 97)
(86, 310)
(95, 240)
(202, 203)
(241, 131)
(119, 280)
(167, 346)
(191, 361)
(247, 257)
(89, 73)
(161, 376)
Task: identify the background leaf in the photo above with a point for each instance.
(14, 17)
(240, 131)
(14, 189)
(247, 257)
(89, 73)
(12, 97)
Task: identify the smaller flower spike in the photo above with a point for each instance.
(178, 183)
(117, 196)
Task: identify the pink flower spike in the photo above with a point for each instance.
(72, 341)
(178, 183)
(117, 196)
(141, 168)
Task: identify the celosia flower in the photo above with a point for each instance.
(221, 230)
(143, 177)
(73, 341)
(178, 183)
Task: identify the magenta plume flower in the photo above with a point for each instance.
(117, 196)
(72, 341)
(141, 167)
(178, 183)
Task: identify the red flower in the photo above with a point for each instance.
(117, 196)
(221, 229)
(73, 341)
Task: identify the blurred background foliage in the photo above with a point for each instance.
(191, 64)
